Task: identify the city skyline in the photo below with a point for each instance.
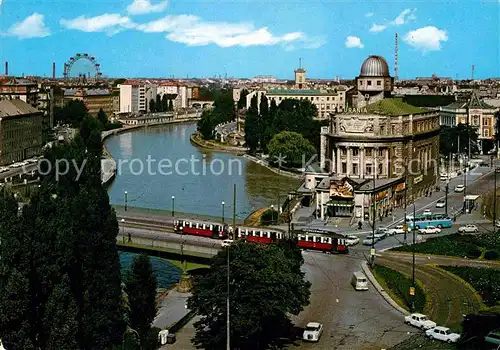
(244, 39)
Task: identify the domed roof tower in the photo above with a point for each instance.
(374, 81)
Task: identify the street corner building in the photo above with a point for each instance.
(20, 131)
(380, 151)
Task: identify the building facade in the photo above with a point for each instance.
(135, 96)
(93, 99)
(20, 131)
(21, 89)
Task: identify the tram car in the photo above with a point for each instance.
(327, 243)
(203, 229)
(256, 235)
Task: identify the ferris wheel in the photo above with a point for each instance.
(82, 56)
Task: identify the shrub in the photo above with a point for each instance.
(400, 285)
(269, 216)
(491, 255)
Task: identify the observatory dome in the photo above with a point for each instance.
(374, 66)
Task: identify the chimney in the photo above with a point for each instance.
(6, 68)
(53, 70)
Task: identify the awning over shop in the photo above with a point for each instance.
(338, 203)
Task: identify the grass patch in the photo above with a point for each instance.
(399, 285)
(472, 247)
(421, 342)
(485, 281)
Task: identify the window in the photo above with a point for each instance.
(368, 169)
(485, 121)
(380, 152)
(382, 129)
(317, 98)
(393, 129)
(486, 133)
(379, 82)
(355, 168)
(380, 169)
(343, 151)
(328, 98)
(369, 83)
(368, 152)
(327, 106)
(355, 152)
(344, 168)
(476, 120)
(361, 82)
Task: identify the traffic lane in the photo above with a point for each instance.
(172, 237)
(18, 171)
(352, 319)
(441, 260)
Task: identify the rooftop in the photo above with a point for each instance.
(304, 92)
(393, 106)
(12, 108)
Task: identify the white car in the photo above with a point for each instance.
(312, 332)
(420, 321)
(427, 212)
(443, 334)
(459, 188)
(369, 240)
(397, 230)
(468, 229)
(351, 240)
(381, 233)
(227, 242)
(429, 230)
(440, 203)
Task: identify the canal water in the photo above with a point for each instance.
(156, 163)
(167, 274)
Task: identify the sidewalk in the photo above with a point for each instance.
(183, 337)
(172, 309)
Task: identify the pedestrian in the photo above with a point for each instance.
(360, 225)
(129, 238)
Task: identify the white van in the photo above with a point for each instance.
(359, 281)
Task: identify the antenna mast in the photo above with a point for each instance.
(396, 63)
(300, 63)
(473, 72)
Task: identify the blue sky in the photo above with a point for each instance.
(244, 38)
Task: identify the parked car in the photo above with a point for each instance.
(443, 334)
(459, 188)
(396, 230)
(419, 321)
(469, 228)
(227, 242)
(369, 240)
(493, 337)
(351, 240)
(312, 332)
(440, 203)
(427, 212)
(429, 230)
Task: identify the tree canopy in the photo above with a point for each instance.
(222, 111)
(291, 147)
(266, 285)
(72, 113)
(60, 283)
(451, 137)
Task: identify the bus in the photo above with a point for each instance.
(424, 221)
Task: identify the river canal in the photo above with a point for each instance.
(156, 163)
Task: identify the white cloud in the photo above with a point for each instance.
(404, 17)
(426, 38)
(353, 41)
(140, 7)
(31, 27)
(193, 31)
(375, 28)
(371, 14)
(110, 23)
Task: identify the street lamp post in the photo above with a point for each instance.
(446, 196)
(173, 207)
(223, 213)
(126, 194)
(272, 214)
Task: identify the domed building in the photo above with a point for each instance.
(373, 83)
(375, 152)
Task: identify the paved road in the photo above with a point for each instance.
(17, 171)
(352, 319)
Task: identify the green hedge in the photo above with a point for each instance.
(400, 285)
(484, 280)
(491, 255)
(452, 245)
(269, 217)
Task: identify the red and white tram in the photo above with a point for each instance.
(258, 235)
(204, 229)
(323, 243)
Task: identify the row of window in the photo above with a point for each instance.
(355, 151)
(280, 98)
(368, 169)
(369, 82)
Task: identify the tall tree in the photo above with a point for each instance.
(252, 128)
(102, 117)
(206, 124)
(242, 102)
(292, 146)
(140, 286)
(71, 113)
(152, 106)
(164, 103)
(272, 270)
(264, 120)
(158, 104)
